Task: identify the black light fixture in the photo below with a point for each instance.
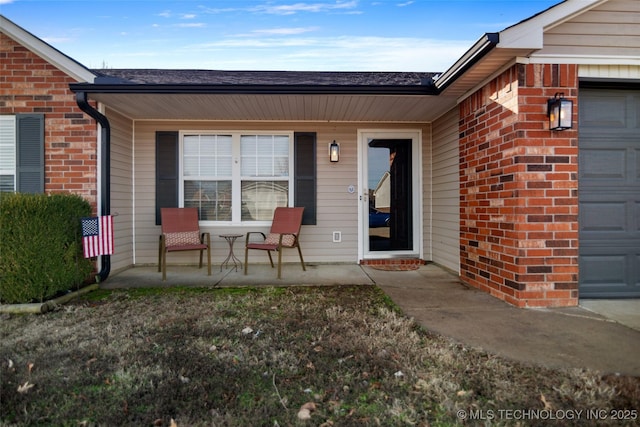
(334, 152)
(560, 112)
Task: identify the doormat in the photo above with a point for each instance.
(395, 267)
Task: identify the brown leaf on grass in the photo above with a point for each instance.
(309, 405)
(547, 405)
(304, 414)
(23, 388)
(173, 423)
(29, 367)
(305, 411)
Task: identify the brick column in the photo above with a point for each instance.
(518, 196)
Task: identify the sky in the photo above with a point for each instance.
(284, 35)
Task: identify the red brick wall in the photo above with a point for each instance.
(519, 200)
(28, 84)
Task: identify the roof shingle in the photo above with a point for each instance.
(278, 78)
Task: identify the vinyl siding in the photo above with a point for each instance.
(427, 188)
(446, 192)
(612, 29)
(121, 190)
(609, 71)
(337, 208)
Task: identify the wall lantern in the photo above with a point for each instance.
(560, 112)
(334, 152)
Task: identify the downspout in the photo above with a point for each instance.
(105, 171)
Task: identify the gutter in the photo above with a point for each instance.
(105, 171)
(471, 57)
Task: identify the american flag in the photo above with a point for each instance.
(97, 236)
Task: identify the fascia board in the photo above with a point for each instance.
(470, 57)
(69, 66)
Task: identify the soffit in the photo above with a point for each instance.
(278, 107)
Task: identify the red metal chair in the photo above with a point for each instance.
(181, 232)
(285, 229)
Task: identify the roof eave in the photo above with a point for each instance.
(227, 89)
(480, 49)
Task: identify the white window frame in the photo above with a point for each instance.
(236, 177)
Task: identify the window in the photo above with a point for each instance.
(264, 175)
(207, 175)
(7, 153)
(22, 153)
(236, 176)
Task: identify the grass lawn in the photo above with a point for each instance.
(309, 356)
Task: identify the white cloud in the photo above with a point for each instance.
(284, 31)
(290, 9)
(191, 25)
(328, 54)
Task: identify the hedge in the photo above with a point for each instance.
(41, 246)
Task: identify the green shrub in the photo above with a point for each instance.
(41, 246)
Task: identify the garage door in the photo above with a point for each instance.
(609, 193)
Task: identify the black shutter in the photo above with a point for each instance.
(30, 153)
(166, 171)
(305, 175)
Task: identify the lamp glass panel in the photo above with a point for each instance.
(565, 113)
(334, 152)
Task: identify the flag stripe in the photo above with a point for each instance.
(100, 242)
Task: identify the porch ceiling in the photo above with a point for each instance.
(278, 107)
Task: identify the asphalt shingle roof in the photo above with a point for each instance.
(277, 78)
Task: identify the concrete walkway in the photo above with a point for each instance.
(600, 337)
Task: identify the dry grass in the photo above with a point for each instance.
(240, 357)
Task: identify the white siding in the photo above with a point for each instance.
(609, 71)
(446, 192)
(121, 189)
(612, 29)
(337, 208)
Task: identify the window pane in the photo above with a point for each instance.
(207, 155)
(7, 183)
(212, 198)
(260, 198)
(7, 145)
(264, 155)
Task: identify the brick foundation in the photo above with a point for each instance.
(399, 262)
(29, 84)
(519, 189)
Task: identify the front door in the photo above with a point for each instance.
(389, 199)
